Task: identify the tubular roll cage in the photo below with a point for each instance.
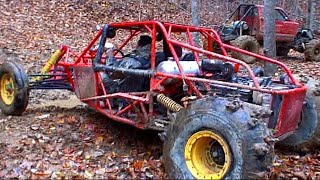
(241, 19)
(139, 100)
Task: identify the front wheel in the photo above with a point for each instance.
(14, 88)
(247, 43)
(207, 143)
(312, 52)
(207, 155)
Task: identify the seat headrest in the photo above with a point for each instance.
(167, 52)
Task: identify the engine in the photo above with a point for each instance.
(250, 96)
(225, 72)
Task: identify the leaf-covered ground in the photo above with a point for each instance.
(75, 142)
(55, 140)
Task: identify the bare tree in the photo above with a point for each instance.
(195, 19)
(311, 12)
(269, 39)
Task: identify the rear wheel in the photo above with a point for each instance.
(247, 43)
(207, 141)
(14, 89)
(312, 52)
(307, 136)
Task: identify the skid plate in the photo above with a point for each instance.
(84, 82)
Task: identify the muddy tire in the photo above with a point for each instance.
(312, 52)
(14, 93)
(248, 43)
(208, 141)
(307, 136)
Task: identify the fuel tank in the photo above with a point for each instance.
(170, 67)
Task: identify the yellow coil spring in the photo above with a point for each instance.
(169, 103)
(51, 62)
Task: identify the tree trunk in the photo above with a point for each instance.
(311, 11)
(269, 37)
(295, 4)
(195, 19)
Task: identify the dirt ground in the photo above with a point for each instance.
(59, 137)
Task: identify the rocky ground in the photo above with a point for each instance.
(59, 137)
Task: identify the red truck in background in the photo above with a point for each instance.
(244, 29)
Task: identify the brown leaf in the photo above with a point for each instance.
(300, 174)
(68, 150)
(61, 121)
(152, 163)
(132, 173)
(99, 140)
(137, 165)
(72, 120)
(42, 173)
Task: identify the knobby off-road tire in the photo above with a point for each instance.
(14, 93)
(307, 136)
(248, 43)
(209, 141)
(312, 52)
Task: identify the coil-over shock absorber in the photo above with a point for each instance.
(169, 103)
(52, 61)
(56, 56)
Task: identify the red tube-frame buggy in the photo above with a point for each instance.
(181, 92)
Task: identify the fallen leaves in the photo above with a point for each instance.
(295, 166)
(67, 143)
(300, 175)
(297, 64)
(43, 116)
(34, 127)
(65, 146)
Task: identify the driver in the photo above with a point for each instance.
(136, 59)
(144, 46)
(140, 55)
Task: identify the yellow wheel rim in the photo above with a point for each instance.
(7, 89)
(207, 155)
